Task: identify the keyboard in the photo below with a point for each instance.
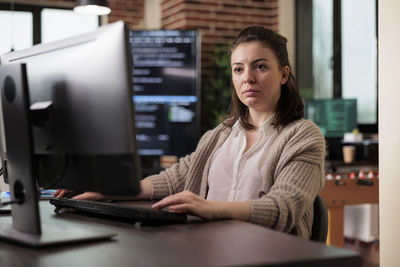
(131, 211)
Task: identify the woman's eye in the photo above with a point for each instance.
(237, 69)
(261, 67)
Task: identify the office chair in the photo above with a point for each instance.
(320, 223)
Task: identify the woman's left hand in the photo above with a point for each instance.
(188, 203)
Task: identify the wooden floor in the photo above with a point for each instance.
(369, 251)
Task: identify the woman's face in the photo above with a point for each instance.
(257, 77)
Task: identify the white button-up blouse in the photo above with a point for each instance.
(234, 175)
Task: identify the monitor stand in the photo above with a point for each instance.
(17, 148)
(52, 234)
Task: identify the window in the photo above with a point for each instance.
(336, 54)
(26, 25)
(322, 48)
(60, 23)
(359, 57)
(15, 30)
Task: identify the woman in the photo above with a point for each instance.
(264, 164)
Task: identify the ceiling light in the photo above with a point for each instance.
(92, 7)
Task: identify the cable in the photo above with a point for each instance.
(60, 176)
(2, 204)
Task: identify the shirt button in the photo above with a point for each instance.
(261, 194)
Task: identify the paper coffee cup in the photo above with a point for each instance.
(348, 153)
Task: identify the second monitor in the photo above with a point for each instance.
(166, 84)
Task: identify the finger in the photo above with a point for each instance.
(159, 205)
(62, 193)
(181, 197)
(170, 200)
(191, 209)
(57, 192)
(89, 196)
(180, 211)
(81, 197)
(180, 208)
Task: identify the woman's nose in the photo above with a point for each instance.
(249, 77)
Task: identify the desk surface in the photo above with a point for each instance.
(222, 243)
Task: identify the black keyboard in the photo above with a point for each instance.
(133, 211)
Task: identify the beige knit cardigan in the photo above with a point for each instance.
(294, 176)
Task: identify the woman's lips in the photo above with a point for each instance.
(249, 92)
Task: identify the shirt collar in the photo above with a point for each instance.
(265, 129)
(237, 128)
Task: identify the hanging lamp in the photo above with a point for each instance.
(92, 7)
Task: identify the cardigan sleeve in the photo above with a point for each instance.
(173, 179)
(298, 178)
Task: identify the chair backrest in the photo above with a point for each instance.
(320, 223)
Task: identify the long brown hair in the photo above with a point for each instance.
(290, 105)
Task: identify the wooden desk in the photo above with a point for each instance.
(337, 194)
(218, 243)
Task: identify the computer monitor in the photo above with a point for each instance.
(166, 79)
(335, 117)
(68, 120)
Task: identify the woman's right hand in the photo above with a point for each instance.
(146, 190)
(91, 196)
(84, 196)
(60, 193)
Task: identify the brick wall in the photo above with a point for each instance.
(219, 21)
(130, 11)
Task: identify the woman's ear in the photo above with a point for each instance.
(285, 74)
